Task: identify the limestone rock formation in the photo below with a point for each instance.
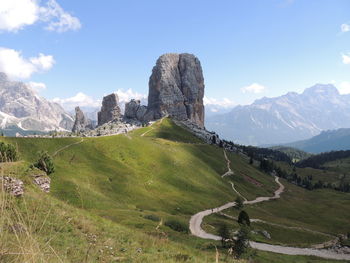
(110, 110)
(81, 123)
(176, 88)
(134, 110)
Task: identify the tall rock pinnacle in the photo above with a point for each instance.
(176, 88)
(110, 110)
(81, 122)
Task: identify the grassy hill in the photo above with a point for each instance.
(119, 199)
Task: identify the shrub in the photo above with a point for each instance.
(176, 225)
(8, 152)
(45, 163)
(152, 217)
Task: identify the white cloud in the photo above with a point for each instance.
(345, 27)
(346, 58)
(344, 87)
(80, 99)
(126, 96)
(36, 86)
(16, 66)
(254, 88)
(43, 62)
(83, 100)
(224, 103)
(16, 14)
(58, 20)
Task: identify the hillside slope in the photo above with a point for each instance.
(126, 192)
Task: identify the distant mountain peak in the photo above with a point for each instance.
(287, 118)
(323, 89)
(21, 107)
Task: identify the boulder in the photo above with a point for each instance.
(43, 182)
(13, 186)
(110, 110)
(176, 89)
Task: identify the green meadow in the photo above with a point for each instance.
(129, 198)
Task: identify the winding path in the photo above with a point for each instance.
(67, 146)
(151, 126)
(196, 229)
(229, 171)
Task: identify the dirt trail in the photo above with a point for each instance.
(238, 193)
(228, 162)
(196, 229)
(67, 146)
(152, 128)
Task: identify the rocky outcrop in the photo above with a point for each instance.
(114, 128)
(81, 123)
(110, 110)
(176, 88)
(134, 110)
(43, 182)
(13, 186)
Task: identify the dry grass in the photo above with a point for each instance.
(20, 229)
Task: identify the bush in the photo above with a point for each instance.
(243, 218)
(176, 225)
(152, 217)
(45, 163)
(8, 152)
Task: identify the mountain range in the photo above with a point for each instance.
(333, 140)
(284, 119)
(21, 109)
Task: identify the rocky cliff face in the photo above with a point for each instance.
(176, 88)
(110, 110)
(21, 107)
(134, 110)
(81, 122)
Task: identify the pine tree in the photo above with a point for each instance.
(224, 234)
(240, 242)
(243, 218)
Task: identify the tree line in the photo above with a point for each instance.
(306, 182)
(316, 161)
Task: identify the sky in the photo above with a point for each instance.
(77, 51)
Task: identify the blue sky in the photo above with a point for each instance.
(248, 49)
